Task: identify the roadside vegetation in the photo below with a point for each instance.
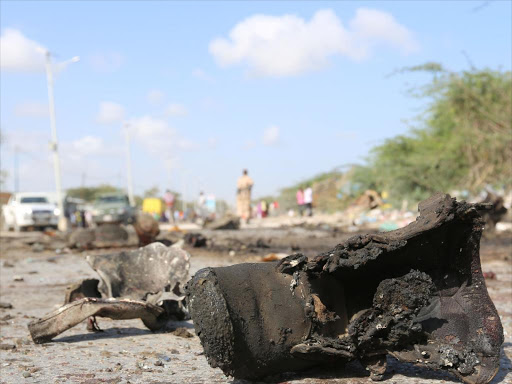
(461, 141)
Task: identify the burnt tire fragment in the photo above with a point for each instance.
(416, 293)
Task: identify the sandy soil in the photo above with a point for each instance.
(126, 352)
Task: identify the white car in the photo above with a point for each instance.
(24, 210)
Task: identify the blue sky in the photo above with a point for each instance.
(285, 89)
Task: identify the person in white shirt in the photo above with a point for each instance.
(308, 200)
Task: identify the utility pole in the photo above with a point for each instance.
(129, 166)
(53, 143)
(16, 170)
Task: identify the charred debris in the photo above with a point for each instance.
(416, 293)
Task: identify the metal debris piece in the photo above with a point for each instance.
(66, 317)
(147, 283)
(153, 270)
(416, 293)
(81, 290)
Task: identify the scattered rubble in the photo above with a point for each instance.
(370, 199)
(489, 275)
(227, 222)
(416, 293)
(146, 228)
(496, 213)
(82, 238)
(147, 283)
(102, 236)
(182, 332)
(274, 256)
(195, 240)
(5, 305)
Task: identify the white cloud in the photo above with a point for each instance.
(18, 53)
(175, 109)
(155, 96)
(375, 27)
(31, 109)
(289, 45)
(106, 62)
(201, 74)
(110, 113)
(158, 138)
(87, 145)
(271, 135)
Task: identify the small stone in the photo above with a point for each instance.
(5, 305)
(27, 374)
(7, 347)
(37, 247)
(182, 332)
(164, 357)
(18, 278)
(159, 363)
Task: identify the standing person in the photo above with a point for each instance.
(308, 200)
(201, 205)
(264, 208)
(169, 203)
(300, 200)
(243, 196)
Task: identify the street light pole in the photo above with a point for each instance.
(53, 143)
(129, 166)
(16, 170)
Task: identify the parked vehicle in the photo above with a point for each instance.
(154, 206)
(113, 208)
(24, 210)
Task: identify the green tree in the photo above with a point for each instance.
(462, 140)
(91, 193)
(152, 192)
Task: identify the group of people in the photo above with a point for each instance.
(305, 201)
(263, 208)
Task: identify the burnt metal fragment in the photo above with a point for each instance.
(147, 283)
(416, 293)
(56, 322)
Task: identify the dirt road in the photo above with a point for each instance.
(126, 352)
